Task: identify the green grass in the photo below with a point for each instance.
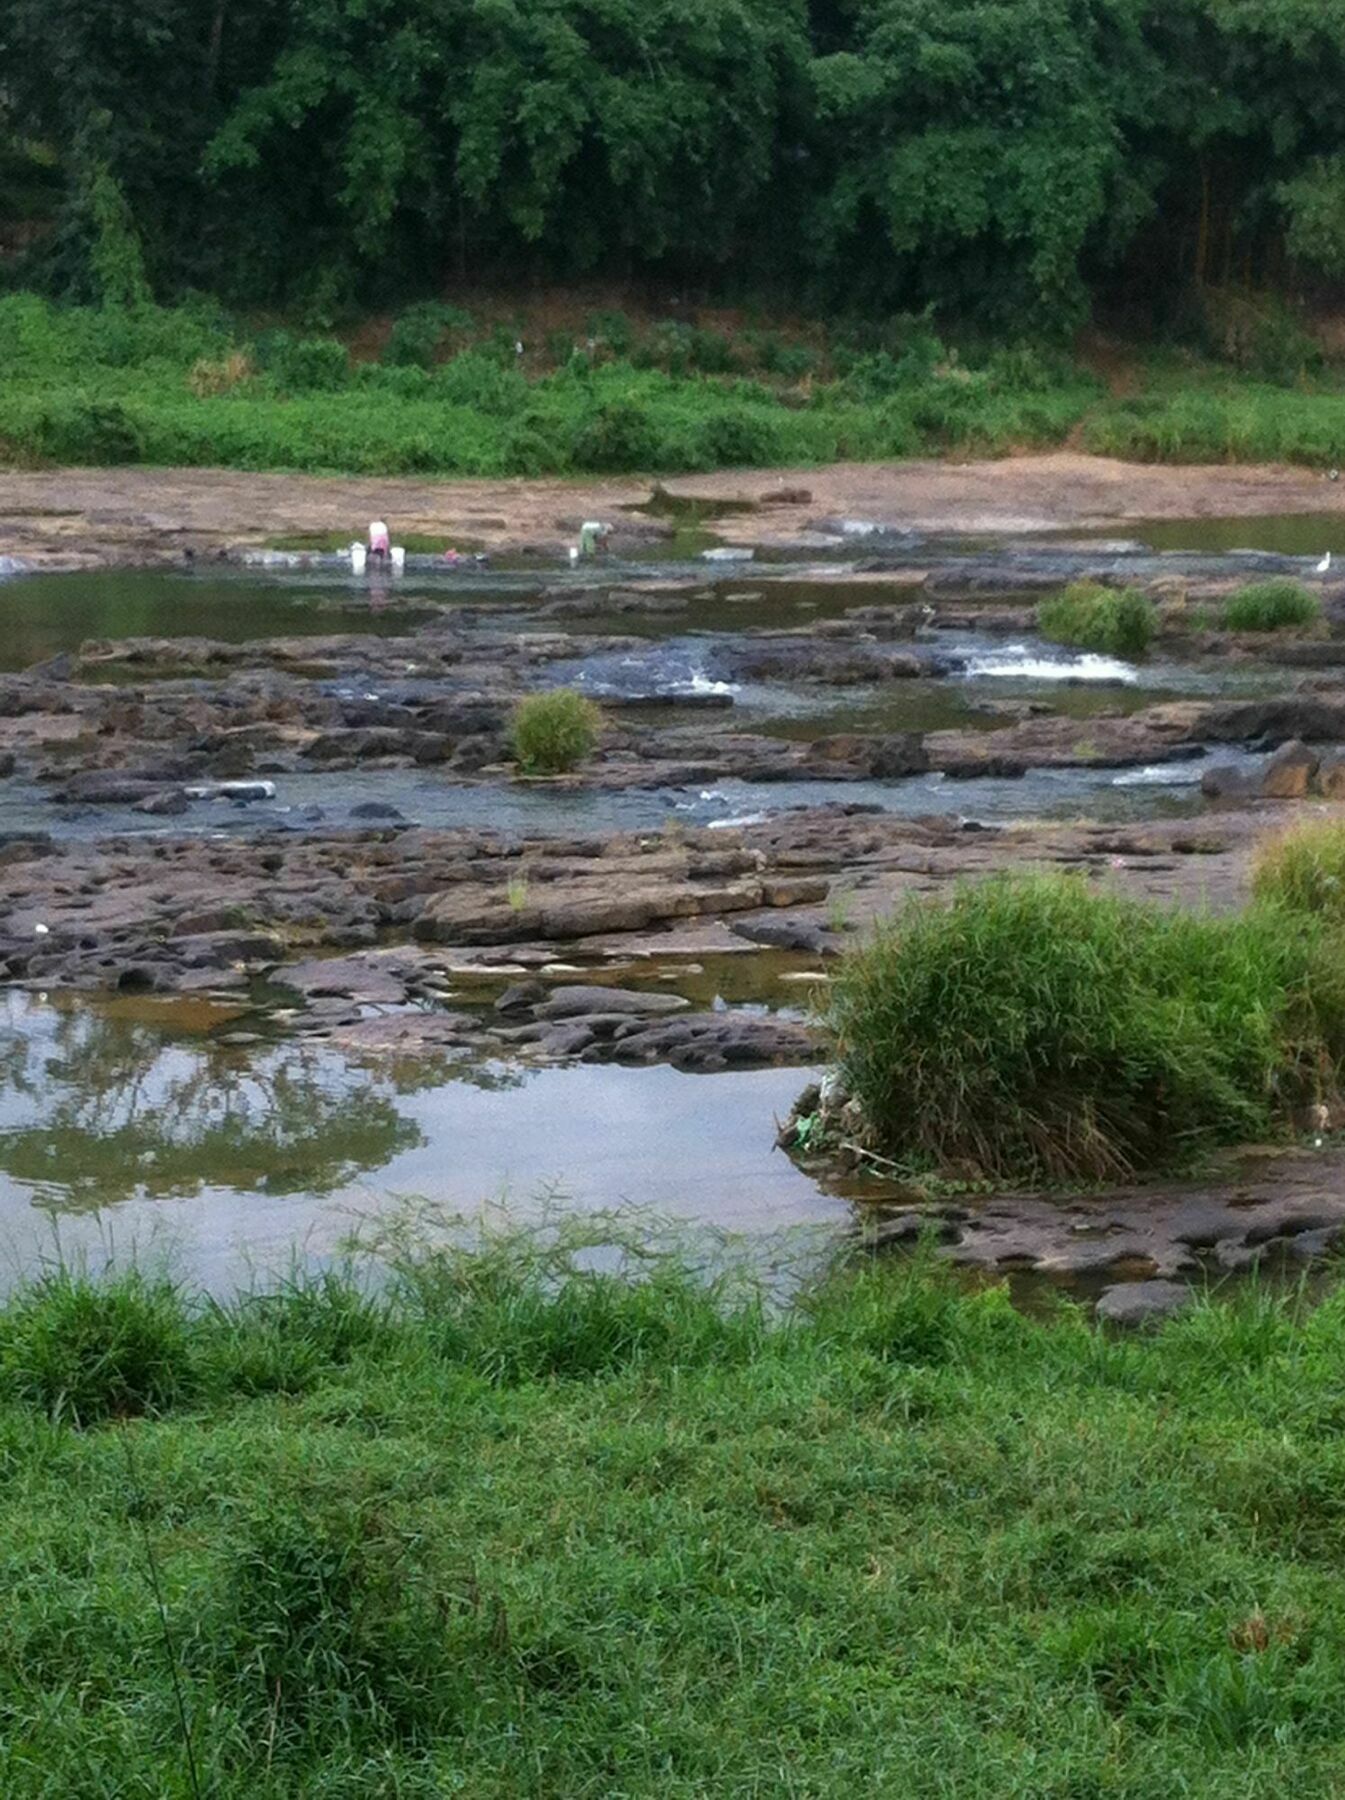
(1280, 605)
(448, 396)
(1303, 870)
(551, 733)
(1032, 1029)
(1114, 622)
(510, 1531)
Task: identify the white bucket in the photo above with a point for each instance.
(359, 556)
(398, 559)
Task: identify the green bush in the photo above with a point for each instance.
(1271, 606)
(739, 438)
(418, 334)
(84, 1350)
(612, 331)
(480, 380)
(551, 733)
(1304, 870)
(1033, 1029)
(620, 436)
(302, 365)
(1113, 622)
(86, 432)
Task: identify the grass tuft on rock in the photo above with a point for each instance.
(1280, 605)
(552, 733)
(1034, 1030)
(1303, 869)
(1110, 621)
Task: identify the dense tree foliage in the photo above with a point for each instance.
(993, 157)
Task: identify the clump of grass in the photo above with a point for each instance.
(552, 733)
(87, 1350)
(1035, 1030)
(1304, 870)
(1281, 605)
(1111, 621)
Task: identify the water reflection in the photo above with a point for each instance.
(130, 1124)
(96, 1107)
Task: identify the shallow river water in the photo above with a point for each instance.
(134, 1123)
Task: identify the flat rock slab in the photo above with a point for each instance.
(1282, 1203)
(1143, 1302)
(579, 1002)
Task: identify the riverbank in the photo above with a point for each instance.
(127, 517)
(505, 1536)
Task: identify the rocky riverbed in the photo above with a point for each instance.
(288, 800)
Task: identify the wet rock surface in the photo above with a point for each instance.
(1263, 1208)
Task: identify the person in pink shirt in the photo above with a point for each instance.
(380, 546)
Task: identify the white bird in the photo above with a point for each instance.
(1324, 566)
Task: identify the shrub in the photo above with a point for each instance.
(1271, 606)
(1087, 617)
(417, 336)
(303, 365)
(1032, 1029)
(91, 432)
(1304, 870)
(612, 331)
(551, 733)
(87, 1351)
(619, 436)
(738, 438)
(480, 380)
(667, 345)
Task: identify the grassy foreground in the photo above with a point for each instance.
(445, 395)
(512, 1532)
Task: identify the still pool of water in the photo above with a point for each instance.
(130, 1126)
(1283, 534)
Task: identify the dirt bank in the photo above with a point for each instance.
(97, 517)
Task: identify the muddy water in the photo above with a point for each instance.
(129, 1126)
(1286, 534)
(45, 615)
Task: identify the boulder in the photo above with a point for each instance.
(1331, 777)
(1143, 1302)
(169, 804)
(1225, 782)
(1288, 775)
(883, 758)
(1312, 720)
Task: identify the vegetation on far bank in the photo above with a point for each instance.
(444, 394)
(1033, 1029)
(1013, 163)
(511, 1527)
